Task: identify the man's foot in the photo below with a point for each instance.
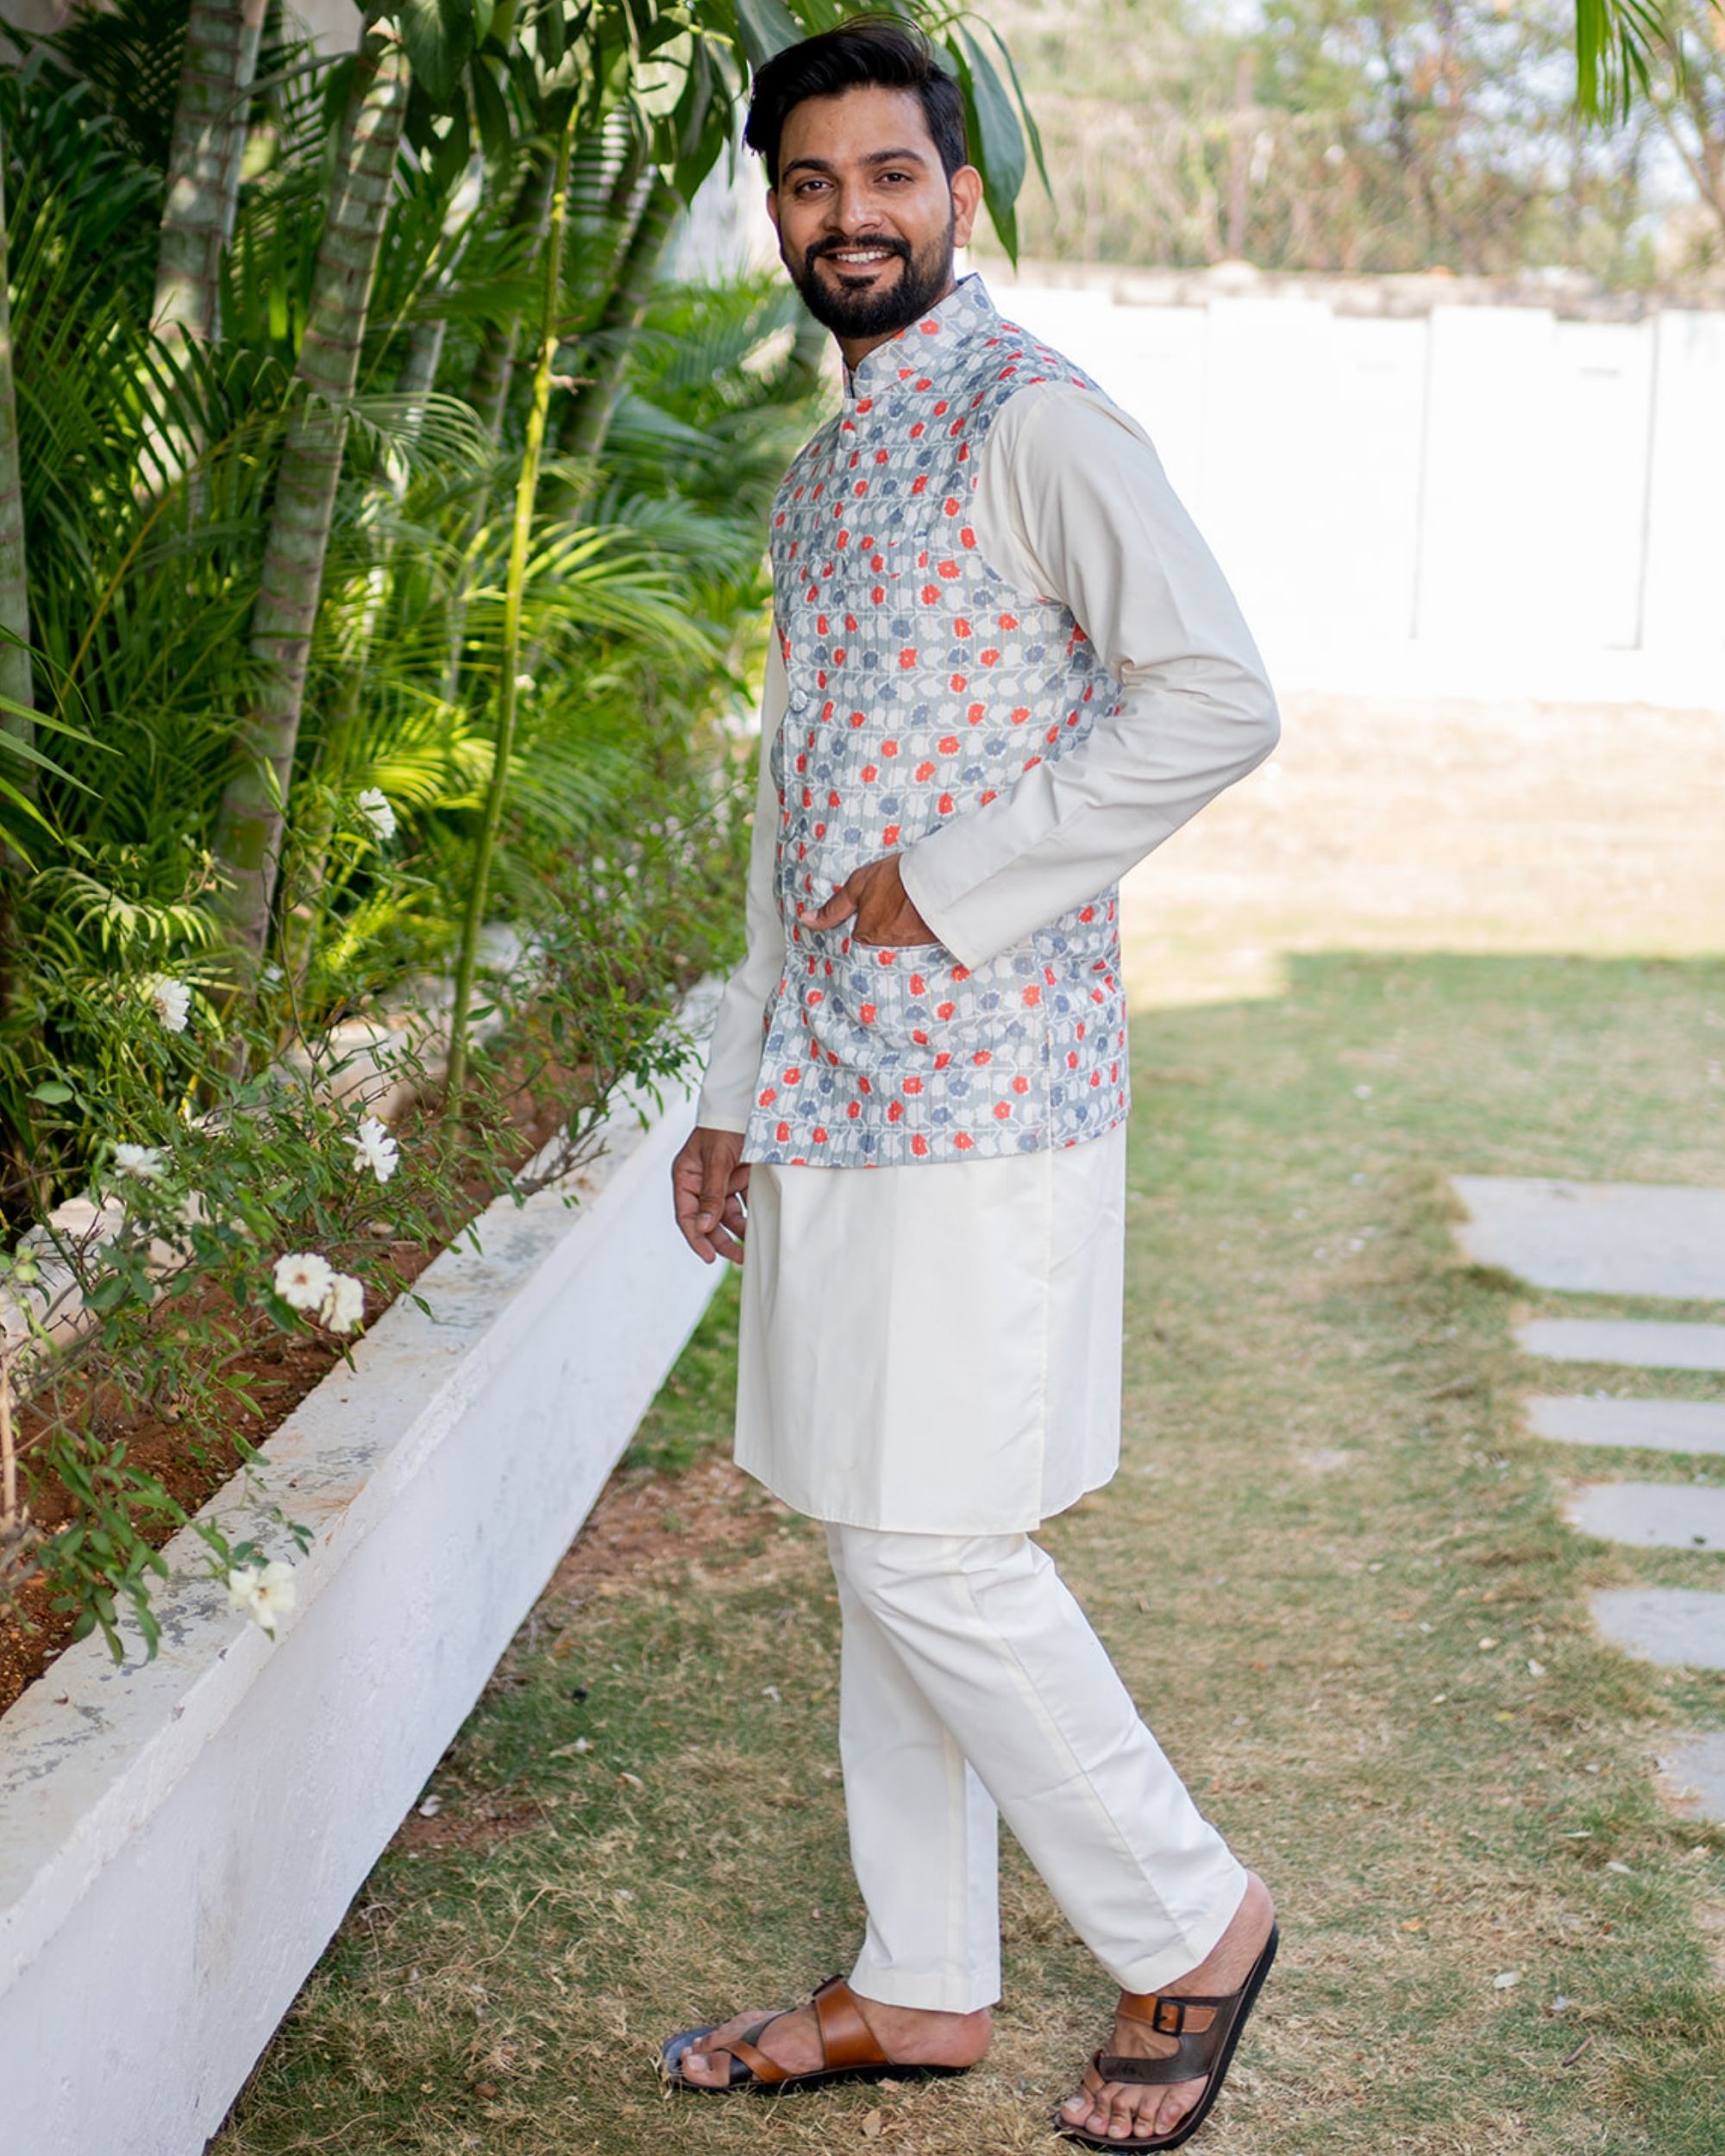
(1125, 2111)
(908, 2035)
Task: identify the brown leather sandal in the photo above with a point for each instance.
(848, 2049)
(1204, 2050)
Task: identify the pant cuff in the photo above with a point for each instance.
(1198, 1939)
(934, 1991)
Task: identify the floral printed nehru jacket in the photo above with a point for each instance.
(922, 684)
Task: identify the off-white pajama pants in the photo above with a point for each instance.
(971, 1684)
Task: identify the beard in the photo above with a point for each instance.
(860, 307)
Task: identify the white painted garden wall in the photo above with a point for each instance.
(179, 1838)
(1474, 499)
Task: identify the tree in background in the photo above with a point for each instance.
(1687, 90)
(1343, 136)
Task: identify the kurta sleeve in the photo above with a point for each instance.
(733, 1061)
(1072, 503)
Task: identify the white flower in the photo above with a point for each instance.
(263, 1591)
(173, 999)
(345, 1304)
(303, 1278)
(373, 806)
(138, 1159)
(525, 683)
(375, 1149)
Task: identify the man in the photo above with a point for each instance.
(1005, 667)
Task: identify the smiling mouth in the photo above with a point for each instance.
(860, 258)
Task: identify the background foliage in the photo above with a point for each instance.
(365, 482)
(1360, 135)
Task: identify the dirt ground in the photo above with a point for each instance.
(1456, 827)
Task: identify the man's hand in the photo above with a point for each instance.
(875, 894)
(708, 1184)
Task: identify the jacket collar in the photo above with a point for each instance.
(966, 311)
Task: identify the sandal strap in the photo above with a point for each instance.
(1193, 2059)
(846, 2039)
(1163, 2011)
(1198, 2044)
(768, 2072)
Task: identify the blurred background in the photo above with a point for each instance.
(1437, 366)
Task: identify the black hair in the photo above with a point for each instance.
(869, 52)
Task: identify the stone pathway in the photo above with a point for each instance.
(1655, 1515)
(1645, 1344)
(1628, 1239)
(1654, 1425)
(1683, 1627)
(1598, 1238)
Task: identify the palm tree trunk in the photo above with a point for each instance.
(17, 685)
(488, 389)
(17, 688)
(248, 843)
(526, 492)
(221, 40)
(588, 419)
(304, 910)
(488, 394)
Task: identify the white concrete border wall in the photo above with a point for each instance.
(1473, 500)
(179, 1838)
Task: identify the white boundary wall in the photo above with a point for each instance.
(1472, 500)
(179, 1838)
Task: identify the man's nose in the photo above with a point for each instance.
(853, 210)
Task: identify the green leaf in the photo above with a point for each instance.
(997, 140)
(439, 34)
(698, 151)
(491, 110)
(51, 1090)
(1025, 114)
(449, 157)
(765, 27)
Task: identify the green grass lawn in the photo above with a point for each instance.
(1332, 1568)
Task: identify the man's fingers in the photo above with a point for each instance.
(839, 907)
(715, 1188)
(704, 1178)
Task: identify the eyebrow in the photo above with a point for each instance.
(874, 157)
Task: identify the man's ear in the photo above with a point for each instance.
(772, 206)
(966, 186)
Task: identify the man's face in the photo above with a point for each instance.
(866, 219)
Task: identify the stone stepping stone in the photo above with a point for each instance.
(1649, 1344)
(1680, 1628)
(1695, 1767)
(1654, 1425)
(1598, 1238)
(1652, 1515)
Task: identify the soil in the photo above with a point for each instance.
(281, 1369)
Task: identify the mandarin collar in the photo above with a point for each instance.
(966, 309)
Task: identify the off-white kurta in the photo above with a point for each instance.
(935, 1347)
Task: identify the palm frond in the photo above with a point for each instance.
(1619, 44)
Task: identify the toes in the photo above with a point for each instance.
(1173, 2107)
(1123, 2118)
